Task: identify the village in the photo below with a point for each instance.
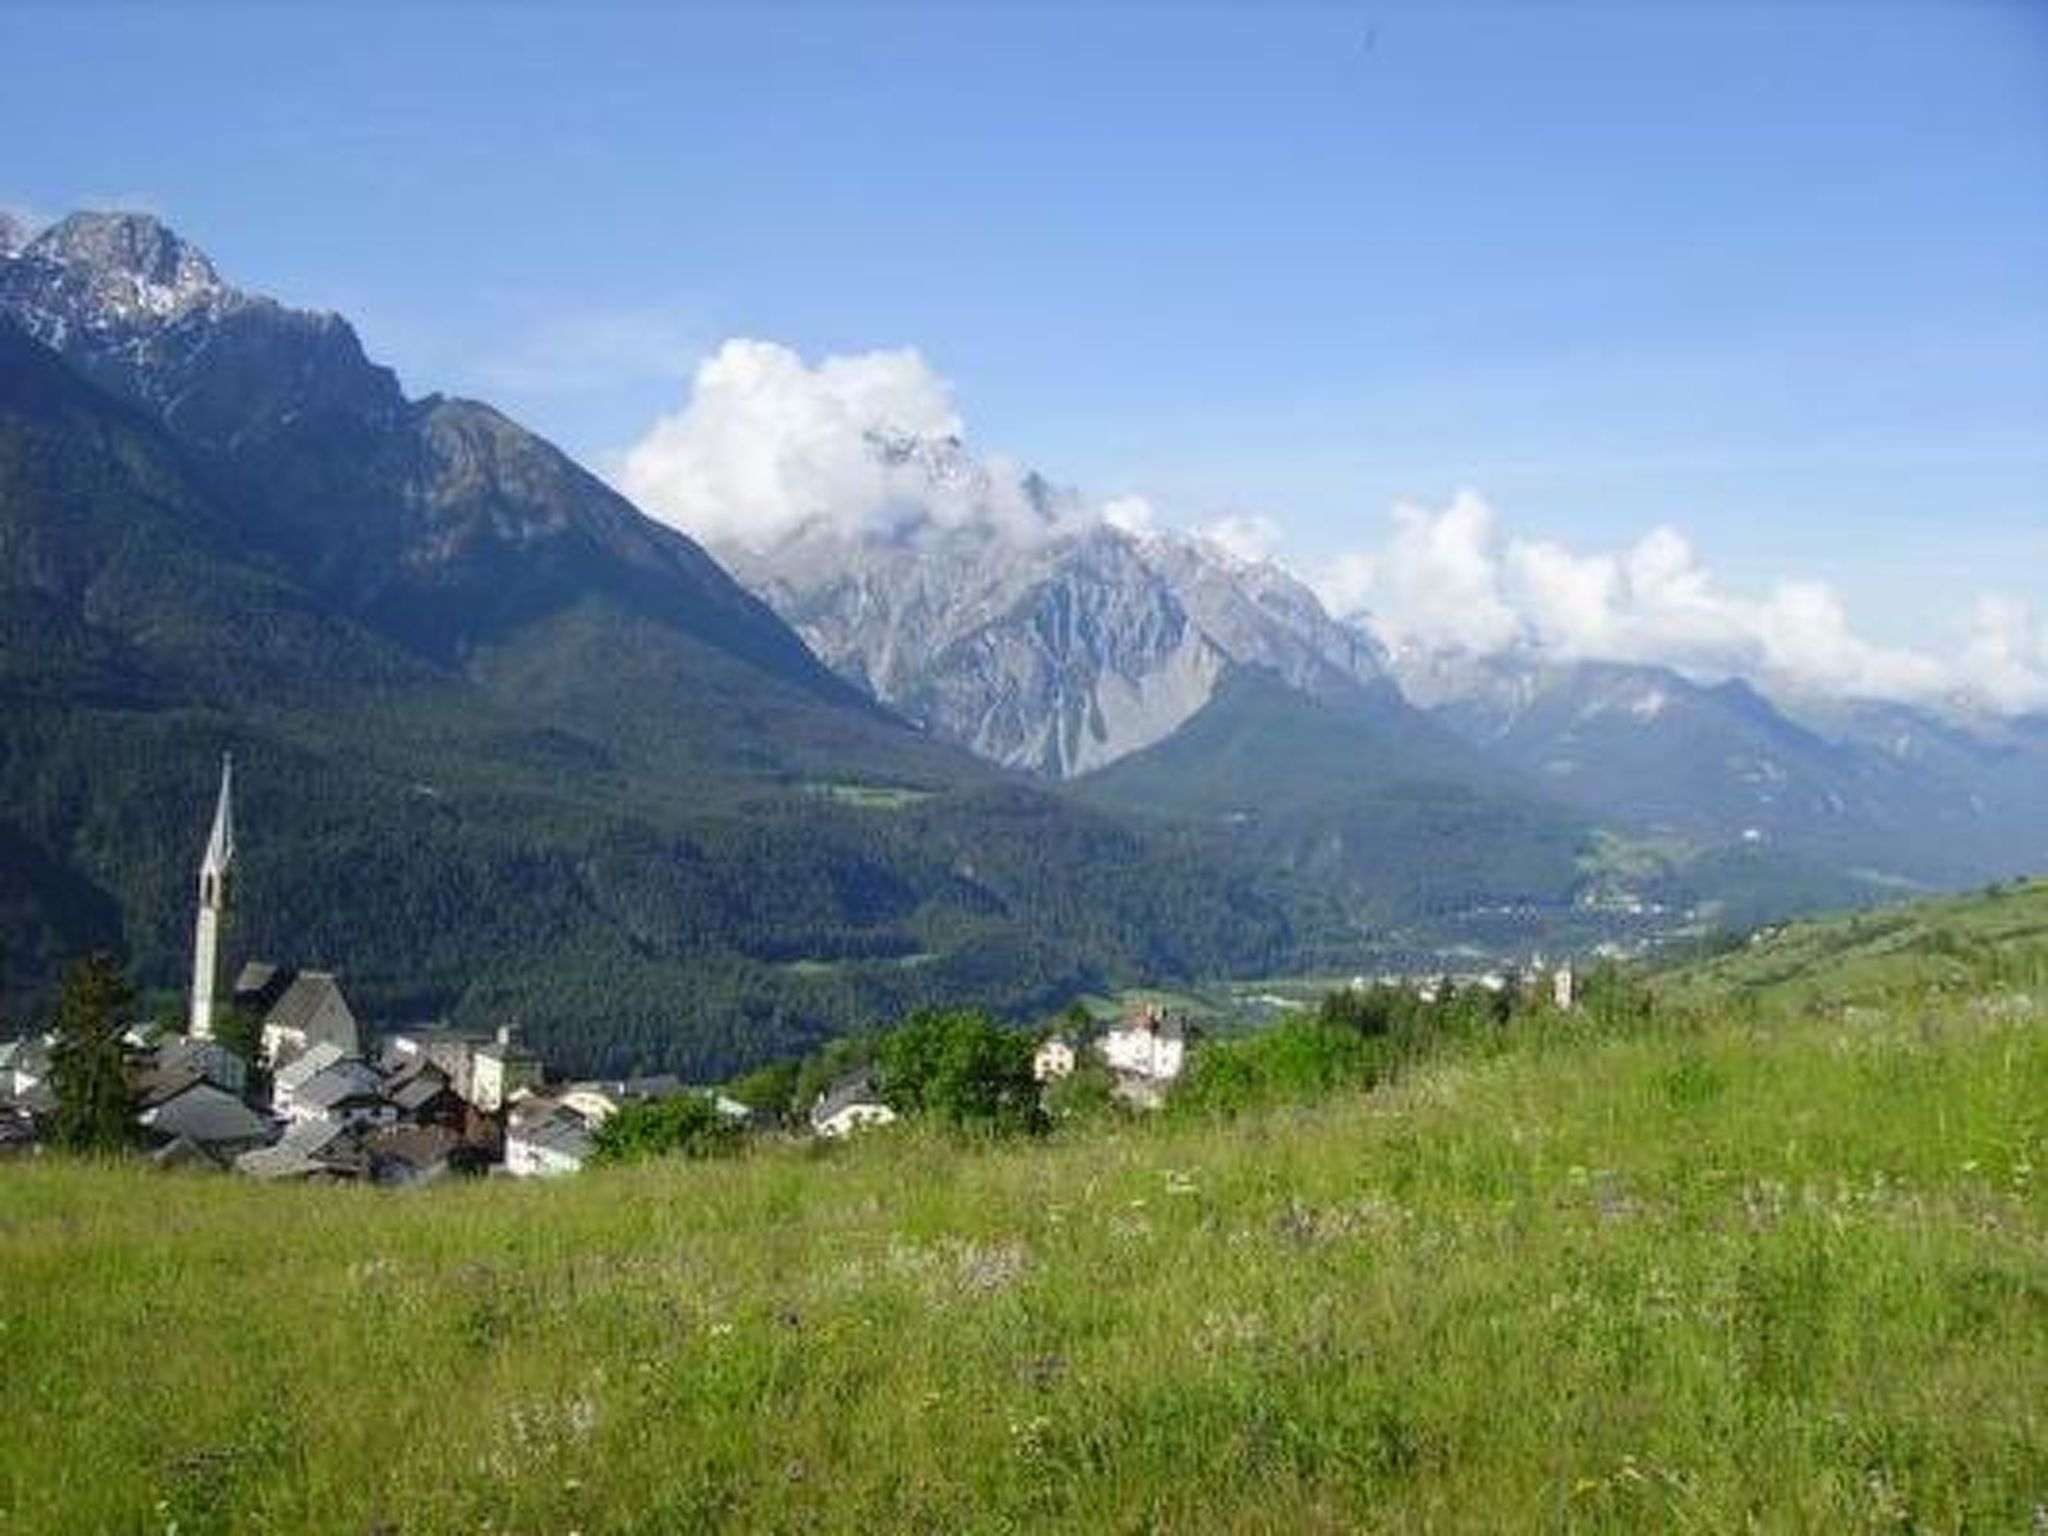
(322, 1098)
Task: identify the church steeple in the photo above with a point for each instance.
(216, 908)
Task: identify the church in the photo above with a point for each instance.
(297, 1009)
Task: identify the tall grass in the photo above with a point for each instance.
(1709, 1279)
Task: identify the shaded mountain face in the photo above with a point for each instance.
(1359, 794)
(438, 521)
(1056, 647)
(1884, 788)
(507, 748)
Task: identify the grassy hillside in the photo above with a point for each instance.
(1708, 1277)
(1988, 942)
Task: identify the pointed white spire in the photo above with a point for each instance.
(220, 846)
(216, 908)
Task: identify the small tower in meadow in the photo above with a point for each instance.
(216, 909)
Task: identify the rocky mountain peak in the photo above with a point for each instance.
(130, 266)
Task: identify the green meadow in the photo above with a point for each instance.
(1778, 1269)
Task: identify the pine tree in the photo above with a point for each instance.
(89, 1063)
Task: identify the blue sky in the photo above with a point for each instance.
(1776, 276)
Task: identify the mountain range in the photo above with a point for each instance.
(1080, 650)
(508, 747)
(511, 748)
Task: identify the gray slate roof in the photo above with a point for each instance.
(307, 1148)
(855, 1088)
(205, 1114)
(414, 1089)
(302, 1002)
(559, 1130)
(342, 1083)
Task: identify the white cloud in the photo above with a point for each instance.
(1130, 514)
(1437, 580)
(767, 444)
(1449, 580)
(2007, 654)
(1247, 536)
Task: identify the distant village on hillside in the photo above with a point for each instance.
(320, 1098)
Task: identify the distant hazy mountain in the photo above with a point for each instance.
(1055, 646)
(508, 746)
(1900, 792)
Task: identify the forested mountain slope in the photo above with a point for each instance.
(507, 747)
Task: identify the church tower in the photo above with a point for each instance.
(216, 909)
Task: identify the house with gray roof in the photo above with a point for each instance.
(421, 1094)
(324, 1151)
(418, 1154)
(546, 1137)
(345, 1090)
(179, 1062)
(214, 1121)
(299, 1010)
(853, 1103)
(301, 1070)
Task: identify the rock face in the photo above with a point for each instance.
(1058, 646)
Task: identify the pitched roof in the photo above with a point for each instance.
(416, 1088)
(260, 984)
(342, 1083)
(153, 1085)
(560, 1130)
(419, 1146)
(180, 1062)
(855, 1088)
(300, 1008)
(205, 1114)
(303, 1068)
(307, 1148)
(184, 1152)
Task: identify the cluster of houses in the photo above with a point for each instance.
(322, 1102)
(1145, 1052)
(421, 1104)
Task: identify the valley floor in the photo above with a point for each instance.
(1780, 1278)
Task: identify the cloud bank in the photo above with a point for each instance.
(1451, 580)
(767, 445)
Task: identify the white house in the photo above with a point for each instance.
(1053, 1060)
(545, 1138)
(347, 1091)
(300, 1009)
(325, 1082)
(851, 1104)
(500, 1070)
(1148, 1043)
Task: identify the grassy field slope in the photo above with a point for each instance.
(1713, 1277)
(1987, 943)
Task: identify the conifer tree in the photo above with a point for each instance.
(89, 1063)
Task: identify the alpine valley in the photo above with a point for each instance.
(508, 747)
